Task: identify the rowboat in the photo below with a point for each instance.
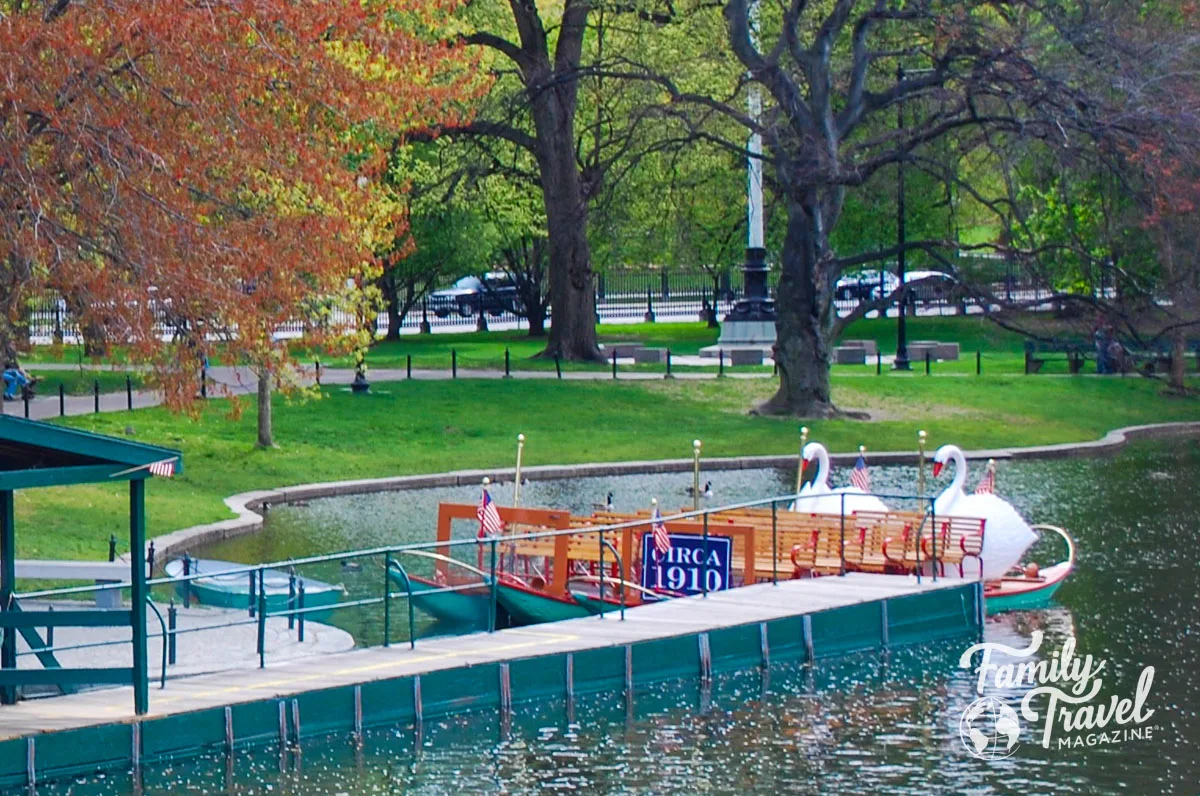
(233, 590)
(1024, 591)
(468, 605)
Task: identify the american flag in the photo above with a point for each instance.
(988, 485)
(165, 468)
(490, 523)
(662, 541)
(859, 476)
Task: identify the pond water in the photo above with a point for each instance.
(865, 724)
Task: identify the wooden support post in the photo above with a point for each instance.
(137, 580)
(8, 577)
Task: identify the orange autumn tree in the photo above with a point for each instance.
(213, 162)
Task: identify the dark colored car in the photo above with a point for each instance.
(494, 294)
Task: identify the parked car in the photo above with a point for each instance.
(864, 286)
(494, 294)
(937, 286)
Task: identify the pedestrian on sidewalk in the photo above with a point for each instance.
(16, 379)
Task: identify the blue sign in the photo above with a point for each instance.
(690, 567)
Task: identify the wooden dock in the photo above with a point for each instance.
(756, 625)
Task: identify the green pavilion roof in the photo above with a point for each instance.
(34, 454)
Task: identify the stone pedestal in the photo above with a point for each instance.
(750, 325)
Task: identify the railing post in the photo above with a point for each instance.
(50, 628)
(262, 625)
(387, 600)
(62, 401)
(454, 363)
(291, 600)
(704, 572)
(112, 547)
(933, 559)
(774, 543)
(507, 371)
(878, 362)
(204, 381)
(129, 392)
(172, 622)
(842, 541)
(928, 361)
(720, 363)
(557, 366)
(408, 367)
(668, 373)
(150, 560)
(492, 613)
(253, 592)
(600, 536)
(25, 400)
(614, 363)
(649, 316)
(317, 365)
(978, 362)
(96, 394)
(300, 603)
(187, 584)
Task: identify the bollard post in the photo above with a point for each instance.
(614, 363)
(649, 316)
(112, 548)
(558, 366)
(507, 372)
(204, 381)
(928, 360)
(62, 401)
(150, 560)
(317, 365)
(408, 367)
(25, 400)
(720, 363)
(96, 393)
(878, 362)
(262, 627)
(668, 373)
(50, 629)
(978, 362)
(300, 606)
(172, 621)
(129, 392)
(454, 363)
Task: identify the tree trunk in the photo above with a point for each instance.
(1178, 380)
(391, 297)
(537, 321)
(572, 292)
(265, 437)
(804, 322)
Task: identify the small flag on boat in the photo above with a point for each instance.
(859, 476)
(662, 540)
(163, 469)
(988, 485)
(490, 523)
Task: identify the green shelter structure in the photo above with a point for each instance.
(35, 454)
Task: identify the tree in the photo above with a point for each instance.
(213, 163)
(827, 70)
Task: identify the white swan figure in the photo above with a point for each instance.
(1006, 535)
(827, 500)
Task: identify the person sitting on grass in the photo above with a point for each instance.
(15, 379)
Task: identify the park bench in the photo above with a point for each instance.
(1037, 352)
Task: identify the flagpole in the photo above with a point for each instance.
(517, 486)
(921, 437)
(800, 463)
(695, 475)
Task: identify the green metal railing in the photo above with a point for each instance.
(295, 611)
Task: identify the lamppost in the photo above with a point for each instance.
(901, 362)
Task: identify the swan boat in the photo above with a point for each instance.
(1021, 590)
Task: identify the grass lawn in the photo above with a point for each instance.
(434, 426)
(81, 382)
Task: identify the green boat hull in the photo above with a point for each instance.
(594, 605)
(1027, 601)
(226, 598)
(472, 608)
(527, 607)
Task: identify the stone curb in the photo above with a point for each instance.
(248, 506)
